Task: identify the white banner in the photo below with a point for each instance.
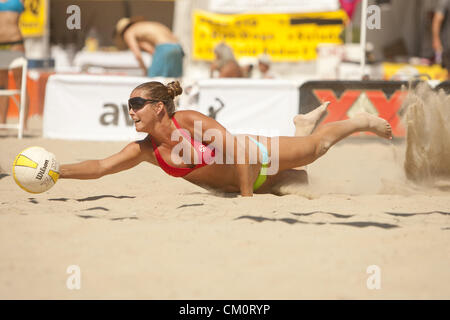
(272, 6)
(90, 107)
(261, 107)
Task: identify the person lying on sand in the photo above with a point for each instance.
(193, 146)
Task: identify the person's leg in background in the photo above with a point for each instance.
(3, 99)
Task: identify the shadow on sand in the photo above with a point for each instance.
(358, 224)
(3, 175)
(399, 214)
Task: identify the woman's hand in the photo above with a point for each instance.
(245, 181)
(243, 170)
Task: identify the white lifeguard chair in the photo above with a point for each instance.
(19, 62)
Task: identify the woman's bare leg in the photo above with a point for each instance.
(300, 151)
(304, 126)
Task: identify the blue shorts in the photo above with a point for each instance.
(167, 61)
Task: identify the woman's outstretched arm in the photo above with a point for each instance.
(130, 156)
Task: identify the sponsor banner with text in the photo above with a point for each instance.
(285, 37)
(381, 98)
(97, 106)
(249, 106)
(90, 107)
(33, 20)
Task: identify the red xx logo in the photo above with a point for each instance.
(386, 108)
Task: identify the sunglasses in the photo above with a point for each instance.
(138, 103)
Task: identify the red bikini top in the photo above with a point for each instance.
(204, 152)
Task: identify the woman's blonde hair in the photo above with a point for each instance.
(165, 93)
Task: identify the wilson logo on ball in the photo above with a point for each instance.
(42, 171)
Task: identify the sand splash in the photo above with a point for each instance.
(426, 114)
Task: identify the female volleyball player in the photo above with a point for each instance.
(197, 148)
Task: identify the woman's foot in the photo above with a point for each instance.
(374, 124)
(306, 123)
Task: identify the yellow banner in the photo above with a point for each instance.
(435, 72)
(285, 37)
(33, 19)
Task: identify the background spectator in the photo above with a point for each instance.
(154, 38)
(263, 71)
(11, 47)
(225, 63)
(441, 33)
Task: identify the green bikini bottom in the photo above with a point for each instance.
(265, 164)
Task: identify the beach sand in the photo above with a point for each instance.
(141, 234)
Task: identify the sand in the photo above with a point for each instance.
(427, 117)
(141, 234)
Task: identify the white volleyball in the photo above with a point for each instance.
(35, 170)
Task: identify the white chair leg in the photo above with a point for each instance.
(23, 100)
(18, 63)
(21, 119)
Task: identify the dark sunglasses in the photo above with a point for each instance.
(138, 103)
